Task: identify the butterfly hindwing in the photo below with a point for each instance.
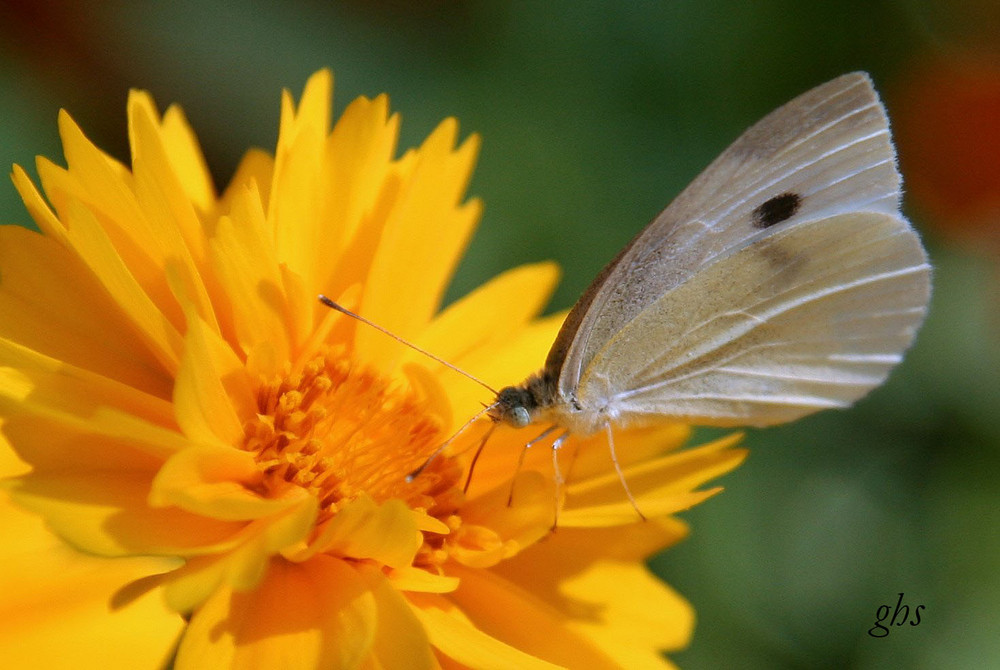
(813, 316)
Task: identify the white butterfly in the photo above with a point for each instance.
(782, 281)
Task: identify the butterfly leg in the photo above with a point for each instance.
(557, 475)
(520, 460)
(618, 469)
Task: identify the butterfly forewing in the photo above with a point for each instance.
(825, 153)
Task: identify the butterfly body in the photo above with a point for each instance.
(538, 400)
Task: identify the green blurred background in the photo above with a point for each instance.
(593, 116)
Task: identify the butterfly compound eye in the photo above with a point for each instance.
(519, 417)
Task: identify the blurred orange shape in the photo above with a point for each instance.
(947, 125)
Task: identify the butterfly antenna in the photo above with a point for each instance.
(343, 310)
(475, 457)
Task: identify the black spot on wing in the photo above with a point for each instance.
(777, 209)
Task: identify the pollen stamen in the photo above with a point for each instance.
(338, 430)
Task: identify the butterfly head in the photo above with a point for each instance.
(515, 406)
(522, 405)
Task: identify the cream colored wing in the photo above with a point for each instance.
(808, 317)
(825, 153)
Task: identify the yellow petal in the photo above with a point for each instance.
(95, 248)
(256, 168)
(244, 260)
(105, 513)
(102, 440)
(491, 313)
(517, 616)
(317, 614)
(301, 305)
(32, 384)
(243, 563)
(432, 394)
(46, 382)
(162, 199)
(497, 525)
(76, 322)
(187, 159)
(662, 486)
(193, 585)
(59, 423)
(623, 512)
(635, 615)
(295, 207)
(464, 640)
(213, 395)
(361, 529)
(421, 581)
(498, 461)
(400, 639)
(106, 191)
(522, 354)
(359, 152)
(217, 482)
(11, 465)
(100, 181)
(56, 604)
(484, 321)
(40, 211)
(425, 232)
(632, 445)
(544, 567)
(585, 461)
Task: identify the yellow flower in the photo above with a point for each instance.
(180, 402)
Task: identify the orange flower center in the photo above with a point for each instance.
(338, 430)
